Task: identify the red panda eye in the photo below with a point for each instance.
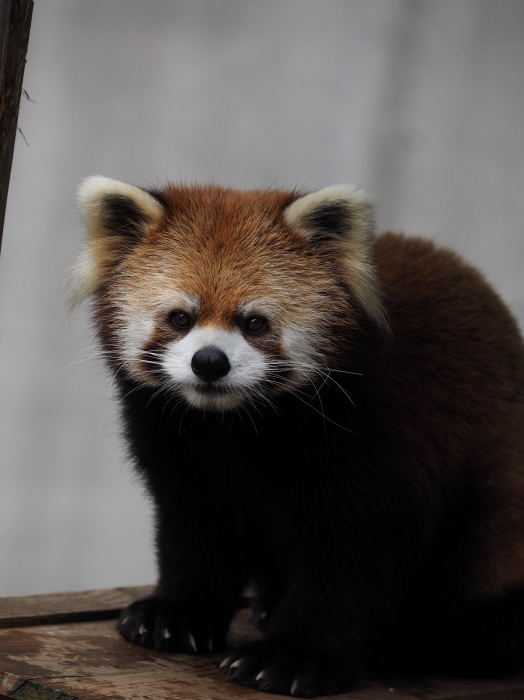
(180, 319)
(255, 324)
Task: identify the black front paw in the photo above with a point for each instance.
(272, 668)
(155, 623)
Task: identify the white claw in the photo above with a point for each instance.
(294, 687)
(142, 629)
(124, 620)
(260, 676)
(192, 642)
(167, 633)
(225, 662)
(236, 663)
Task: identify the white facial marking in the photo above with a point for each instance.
(179, 302)
(260, 307)
(248, 368)
(134, 336)
(138, 328)
(299, 346)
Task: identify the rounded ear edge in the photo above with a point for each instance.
(342, 215)
(96, 190)
(336, 212)
(113, 212)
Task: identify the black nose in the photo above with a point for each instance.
(210, 364)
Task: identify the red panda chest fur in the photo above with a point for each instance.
(332, 416)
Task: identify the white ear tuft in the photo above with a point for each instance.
(338, 211)
(341, 216)
(115, 215)
(95, 190)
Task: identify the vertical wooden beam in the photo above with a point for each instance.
(15, 22)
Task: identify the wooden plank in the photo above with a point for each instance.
(67, 607)
(15, 22)
(89, 661)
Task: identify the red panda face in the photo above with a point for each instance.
(224, 298)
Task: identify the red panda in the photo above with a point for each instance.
(334, 417)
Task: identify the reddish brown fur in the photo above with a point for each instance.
(225, 247)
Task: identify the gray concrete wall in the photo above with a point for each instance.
(419, 101)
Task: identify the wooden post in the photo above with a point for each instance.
(15, 22)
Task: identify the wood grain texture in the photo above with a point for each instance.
(67, 607)
(90, 661)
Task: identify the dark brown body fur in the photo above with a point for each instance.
(460, 389)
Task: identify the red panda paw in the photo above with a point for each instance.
(272, 668)
(152, 622)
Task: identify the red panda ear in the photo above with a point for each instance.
(342, 216)
(115, 215)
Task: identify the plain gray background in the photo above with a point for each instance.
(419, 101)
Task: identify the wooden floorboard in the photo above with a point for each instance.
(87, 660)
(67, 607)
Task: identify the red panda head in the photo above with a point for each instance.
(225, 297)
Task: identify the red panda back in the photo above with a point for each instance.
(460, 357)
